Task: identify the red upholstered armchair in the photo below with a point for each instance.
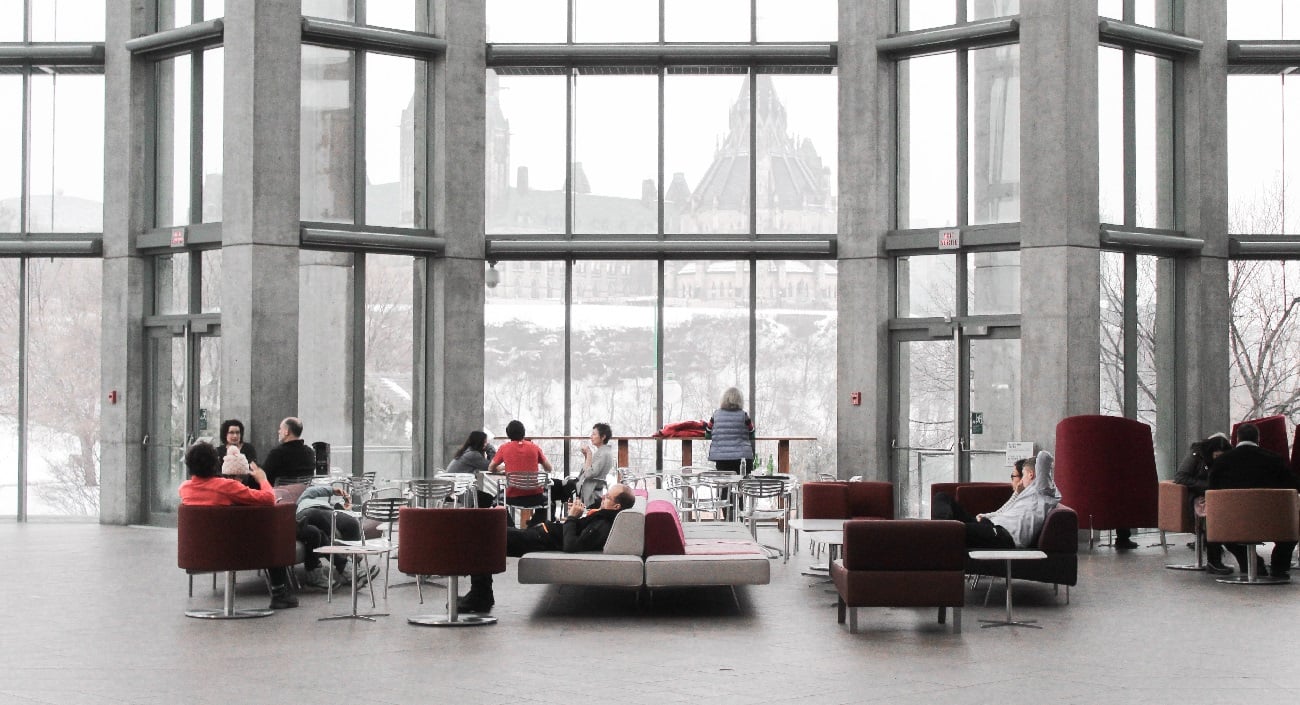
(848, 500)
(452, 542)
(229, 539)
(1272, 433)
(903, 563)
(974, 497)
(1106, 471)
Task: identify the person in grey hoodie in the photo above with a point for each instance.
(1019, 521)
(732, 433)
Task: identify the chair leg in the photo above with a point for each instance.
(839, 609)
(853, 620)
(956, 620)
(943, 614)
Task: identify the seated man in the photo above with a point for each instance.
(1018, 522)
(206, 487)
(585, 530)
(1247, 467)
(293, 457)
(315, 515)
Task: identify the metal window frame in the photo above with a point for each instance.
(961, 36)
(182, 40)
(1128, 35)
(52, 54)
(358, 36)
(1263, 56)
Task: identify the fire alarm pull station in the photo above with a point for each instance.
(855, 398)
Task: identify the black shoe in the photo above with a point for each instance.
(283, 601)
(474, 603)
(1217, 569)
(1125, 545)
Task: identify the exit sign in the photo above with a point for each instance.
(950, 239)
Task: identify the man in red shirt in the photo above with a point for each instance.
(519, 455)
(207, 487)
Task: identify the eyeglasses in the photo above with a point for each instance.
(1015, 476)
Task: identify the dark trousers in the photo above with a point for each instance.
(546, 536)
(1279, 562)
(314, 532)
(980, 533)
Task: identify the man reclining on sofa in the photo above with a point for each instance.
(1019, 521)
(585, 530)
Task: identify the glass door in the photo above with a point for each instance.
(956, 405)
(184, 373)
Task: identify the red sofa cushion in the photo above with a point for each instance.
(663, 530)
(825, 500)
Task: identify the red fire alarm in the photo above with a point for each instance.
(855, 398)
(112, 397)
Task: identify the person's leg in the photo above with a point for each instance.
(985, 534)
(727, 465)
(1280, 562)
(1239, 552)
(281, 598)
(945, 507)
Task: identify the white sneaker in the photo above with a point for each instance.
(317, 578)
(364, 576)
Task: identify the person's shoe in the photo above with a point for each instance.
(363, 576)
(282, 600)
(1217, 569)
(475, 603)
(318, 578)
(1282, 574)
(1125, 544)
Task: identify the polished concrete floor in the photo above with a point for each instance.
(93, 615)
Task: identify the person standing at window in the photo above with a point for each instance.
(732, 432)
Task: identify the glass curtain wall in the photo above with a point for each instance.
(1264, 341)
(1136, 190)
(955, 330)
(643, 152)
(358, 158)
(51, 186)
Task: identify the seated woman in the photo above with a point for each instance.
(206, 487)
(597, 462)
(472, 458)
(232, 436)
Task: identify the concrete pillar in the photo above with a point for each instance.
(866, 213)
(449, 292)
(1060, 267)
(128, 128)
(259, 295)
(1203, 310)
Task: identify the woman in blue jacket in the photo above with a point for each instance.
(732, 432)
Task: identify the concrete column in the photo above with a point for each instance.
(866, 213)
(1060, 267)
(1203, 309)
(128, 128)
(259, 295)
(449, 293)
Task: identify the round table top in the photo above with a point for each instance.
(1006, 555)
(352, 550)
(835, 537)
(817, 524)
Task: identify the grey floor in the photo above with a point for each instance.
(94, 614)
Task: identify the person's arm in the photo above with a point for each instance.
(541, 460)
(497, 462)
(241, 494)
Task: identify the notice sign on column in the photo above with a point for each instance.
(950, 239)
(1017, 450)
(178, 237)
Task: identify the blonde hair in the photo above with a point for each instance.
(732, 399)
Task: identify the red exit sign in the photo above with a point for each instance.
(950, 239)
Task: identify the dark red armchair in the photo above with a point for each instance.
(1106, 471)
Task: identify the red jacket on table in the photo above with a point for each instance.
(222, 491)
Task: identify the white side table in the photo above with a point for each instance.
(1009, 556)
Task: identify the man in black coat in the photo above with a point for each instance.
(293, 457)
(585, 530)
(1249, 467)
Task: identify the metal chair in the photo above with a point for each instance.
(464, 490)
(775, 492)
(532, 491)
(385, 511)
(282, 481)
(713, 495)
(431, 493)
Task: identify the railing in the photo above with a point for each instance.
(623, 444)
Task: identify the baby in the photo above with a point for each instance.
(234, 463)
